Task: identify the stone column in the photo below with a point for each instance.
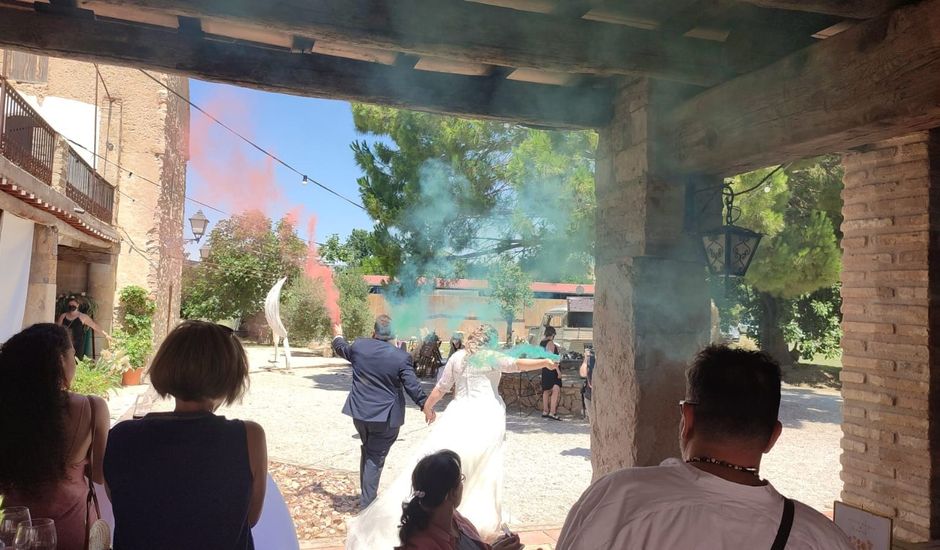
(652, 308)
(890, 377)
(60, 164)
(41, 292)
(101, 286)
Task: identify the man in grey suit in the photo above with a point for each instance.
(376, 401)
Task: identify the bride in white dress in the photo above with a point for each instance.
(473, 426)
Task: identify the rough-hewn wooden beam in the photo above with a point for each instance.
(876, 80)
(853, 9)
(476, 33)
(300, 74)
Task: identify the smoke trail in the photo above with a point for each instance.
(318, 270)
(531, 352)
(230, 178)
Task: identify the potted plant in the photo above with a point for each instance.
(134, 338)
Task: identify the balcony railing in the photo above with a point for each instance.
(25, 138)
(84, 186)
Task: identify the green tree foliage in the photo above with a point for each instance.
(449, 195)
(788, 290)
(359, 251)
(510, 288)
(248, 254)
(303, 311)
(134, 338)
(354, 302)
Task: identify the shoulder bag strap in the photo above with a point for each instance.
(89, 468)
(786, 523)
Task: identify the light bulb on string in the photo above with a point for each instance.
(304, 181)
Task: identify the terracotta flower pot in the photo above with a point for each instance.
(131, 377)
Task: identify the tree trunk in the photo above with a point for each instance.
(509, 332)
(772, 341)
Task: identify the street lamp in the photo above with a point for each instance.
(729, 249)
(198, 224)
(204, 251)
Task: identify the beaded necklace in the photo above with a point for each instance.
(709, 460)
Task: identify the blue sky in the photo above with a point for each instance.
(313, 135)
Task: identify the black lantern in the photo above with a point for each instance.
(198, 224)
(204, 251)
(729, 249)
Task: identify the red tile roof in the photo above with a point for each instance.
(478, 284)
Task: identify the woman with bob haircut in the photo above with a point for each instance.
(52, 439)
(189, 479)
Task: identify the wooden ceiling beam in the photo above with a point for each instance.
(474, 33)
(311, 75)
(850, 9)
(876, 80)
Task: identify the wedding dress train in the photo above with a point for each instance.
(473, 425)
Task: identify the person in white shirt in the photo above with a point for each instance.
(714, 497)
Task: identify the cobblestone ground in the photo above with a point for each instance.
(547, 463)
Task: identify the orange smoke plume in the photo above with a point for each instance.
(318, 270)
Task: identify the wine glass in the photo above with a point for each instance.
(10, 518)
(36, 534)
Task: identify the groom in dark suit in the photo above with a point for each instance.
(375, 402)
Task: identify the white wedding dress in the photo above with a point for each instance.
(473, 426)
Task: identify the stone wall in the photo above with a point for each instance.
(651, 311)
(891, 426)
(523, 392)
(166, 236)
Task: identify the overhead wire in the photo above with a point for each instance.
(264, 151)
(155, 184)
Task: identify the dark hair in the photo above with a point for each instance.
(433, 478)
(737, 393)
(33, 404)
(383, 328)
(200, 360)
(549, 332)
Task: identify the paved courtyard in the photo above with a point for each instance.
(547, 463)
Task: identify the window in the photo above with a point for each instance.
(25, 67)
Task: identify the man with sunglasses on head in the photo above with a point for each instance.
(714, 496)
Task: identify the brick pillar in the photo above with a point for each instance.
(652, 310)
(40, 294)
(890, 381)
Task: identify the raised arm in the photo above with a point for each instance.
(94, 326)
(535, 364)
(340, 346)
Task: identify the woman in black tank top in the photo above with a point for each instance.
(75, 322)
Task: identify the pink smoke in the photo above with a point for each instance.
(318, 270)
(236, 182)
(231, 180)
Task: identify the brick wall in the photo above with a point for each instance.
(890, 427)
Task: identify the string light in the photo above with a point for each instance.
(264, 151)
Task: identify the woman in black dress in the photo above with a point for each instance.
(75, 322)
(551, 379)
